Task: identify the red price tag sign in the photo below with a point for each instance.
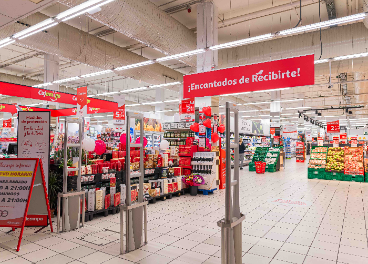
(120, 113)
(333, 127)
(7, 123)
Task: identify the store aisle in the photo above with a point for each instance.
(323, 222)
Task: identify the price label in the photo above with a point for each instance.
(202, 142)
(166, 125)
(181, 125)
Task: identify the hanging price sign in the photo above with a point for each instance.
(333, 127)
(320, 141)
(354, 142)
(336, 142)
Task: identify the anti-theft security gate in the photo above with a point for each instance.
(231, 225)
(135, 213)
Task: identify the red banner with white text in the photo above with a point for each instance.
(52, 96)
(333, 127)
(7, 123)
(297, 71)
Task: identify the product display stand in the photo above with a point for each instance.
(135, 213)
(71, 201)
(231, 225)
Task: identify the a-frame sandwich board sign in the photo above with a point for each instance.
(22, 190)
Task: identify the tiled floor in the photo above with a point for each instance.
(330, 227)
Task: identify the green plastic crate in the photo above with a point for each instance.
(347, 177)
(252, 166)
(328, 175)
(316, 173)
(366, 176)
(338, 176)
(357, 178)
(271, 169)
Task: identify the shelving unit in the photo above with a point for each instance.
(300, 152)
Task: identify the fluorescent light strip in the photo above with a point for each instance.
(271, 90)
(163, 85)
(324, 24)
(133, 105)
(96, 73)
(149, 103)
(37, 31)
(302, 107)
(242, 42)
(172, 101)
(77, 8)
(42, 85)
(87, 10)
(181, 55)
(135, 65)
(320, 61)
(257, 103)
(34, 27)
(134, 89)
(246, 111)
(67, 80)
(6, 44)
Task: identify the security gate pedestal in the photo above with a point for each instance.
(71, 200)
(231, 225)
(135, 213)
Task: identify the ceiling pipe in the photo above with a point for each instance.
(263, 13)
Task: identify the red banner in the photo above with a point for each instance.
(52, 96)
(297, 71)
(120, 114)
(7, 123)
(8, 139)
(82, 101)
(333, 127)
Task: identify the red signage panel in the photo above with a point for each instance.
(51, 96)
(120, 114)
(333, 127)
(7, 123)
(297, 71)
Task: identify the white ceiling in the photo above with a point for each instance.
(28, 63)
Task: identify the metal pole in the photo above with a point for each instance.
(228, 167)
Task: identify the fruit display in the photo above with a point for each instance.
(319, 149)
(366, 165)
(335, 160)
(317, 163)
(318, 155)
(353, 161)
(270, 160)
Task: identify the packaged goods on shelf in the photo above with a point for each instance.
(317, 163)
(335, 160)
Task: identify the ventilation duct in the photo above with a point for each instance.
(73, 44)
(145, 22)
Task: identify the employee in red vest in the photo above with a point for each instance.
(241, 152)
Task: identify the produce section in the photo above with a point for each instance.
(354, 161)
(337, 163)
(335, 160)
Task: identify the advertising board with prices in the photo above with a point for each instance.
(23, 194)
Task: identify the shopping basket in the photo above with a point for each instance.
(260, 167)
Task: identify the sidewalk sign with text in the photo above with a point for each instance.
(23, 194)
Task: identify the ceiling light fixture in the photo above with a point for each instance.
(67, 80)
(164, 84)
(172, 101)
(135, 89)
(135, 65)
(181, 55)
(96, 73)
(324, 24)
(242, 42)
(133, 105)
(39, 30)
(149, 103)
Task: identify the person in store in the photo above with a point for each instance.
(241, 152)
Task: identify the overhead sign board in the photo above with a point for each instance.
(297, 71)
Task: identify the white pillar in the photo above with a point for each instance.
(51, 71)
(207, 36)
(275, 109)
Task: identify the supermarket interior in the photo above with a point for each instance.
(183, 131)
